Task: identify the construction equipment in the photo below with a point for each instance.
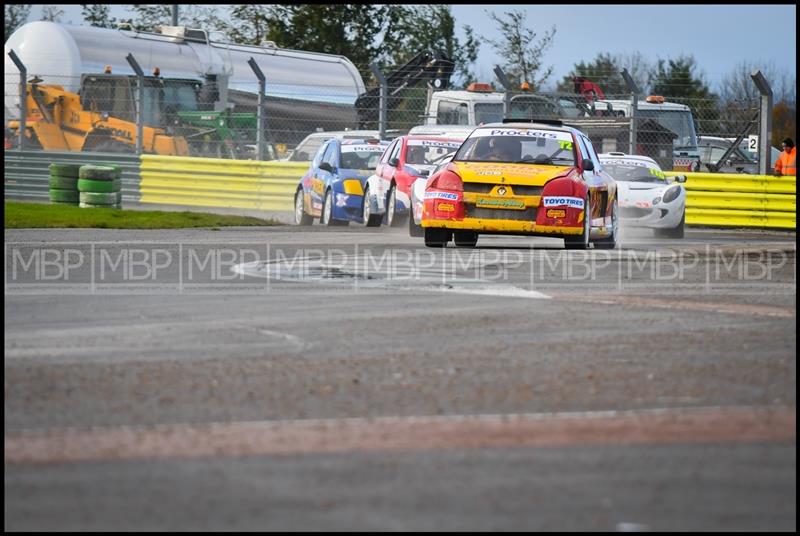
(95, 120)
(102, 117)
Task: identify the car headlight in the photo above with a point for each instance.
(672, 194)
(656, 200)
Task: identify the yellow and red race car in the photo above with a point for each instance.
(539, 179)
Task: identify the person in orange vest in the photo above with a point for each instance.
(786, 161)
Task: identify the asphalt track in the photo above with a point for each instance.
(351, 379)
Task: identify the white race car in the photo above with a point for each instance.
(646, 198)
(418, 197)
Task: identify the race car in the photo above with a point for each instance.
(407, 159)
(646, 197)
(333, 187)
(418, 197)
(520, 178)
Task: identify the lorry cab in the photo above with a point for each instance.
(476, 105)
(672, 116)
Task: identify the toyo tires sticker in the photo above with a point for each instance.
(572, 202)
(441, 195)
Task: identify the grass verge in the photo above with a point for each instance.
(20, 215)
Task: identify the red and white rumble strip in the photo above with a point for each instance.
(387, 434)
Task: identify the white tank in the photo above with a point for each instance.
(60, 54)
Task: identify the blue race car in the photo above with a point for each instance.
(333, 187)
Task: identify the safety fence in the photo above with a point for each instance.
(216, 182)
(733, 200)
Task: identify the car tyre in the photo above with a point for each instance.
(582, 240)
(676, 232)
(436, 237)
(611, 241)
(413, 229)
(370, 220)
(300, 216)
(393, 219)
(465, 239)
(326, 217)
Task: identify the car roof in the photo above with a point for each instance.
(529, 124)
(442, 130)
(431, 137)
(610, 156)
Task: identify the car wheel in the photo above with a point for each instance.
(611, 241)
(393, 219)
(370, 219)
(413, 229)
(300, 216)
(326, 217)
(582, 240)
(465, 239)
(676, 232)
(436, 237)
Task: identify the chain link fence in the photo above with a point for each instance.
(203, 117)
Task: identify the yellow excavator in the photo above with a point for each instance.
(100, 119)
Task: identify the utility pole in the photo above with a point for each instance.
(174, 14)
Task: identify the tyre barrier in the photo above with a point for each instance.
(100, 186)
(734, 200)
(64, 183)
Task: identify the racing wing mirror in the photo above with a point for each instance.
(680, 178)
(324, 166)
(588, 165)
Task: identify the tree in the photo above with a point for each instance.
(204, 17)
(784, 123)
(149, 16)
(429, 27)
(98, 15)
(16, 16)
(603, 71)
(522, 51)
(344, 29)
(677, 81)
(52, 13)
(249, 23)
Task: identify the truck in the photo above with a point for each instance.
(479, 103)
(304, 90)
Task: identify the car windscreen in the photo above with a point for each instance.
(518, 145)
(361, 156)
(633, 171)
(429, 152)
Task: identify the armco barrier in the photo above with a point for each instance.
(215, 182)
(732, 200)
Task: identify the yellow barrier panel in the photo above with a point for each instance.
(727, 182)
(738, 200)
(215, 182)
(740, 218)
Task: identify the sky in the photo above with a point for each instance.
(718, 36)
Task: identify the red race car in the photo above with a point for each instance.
(407, 159)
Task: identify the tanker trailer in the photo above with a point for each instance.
(305, 91)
